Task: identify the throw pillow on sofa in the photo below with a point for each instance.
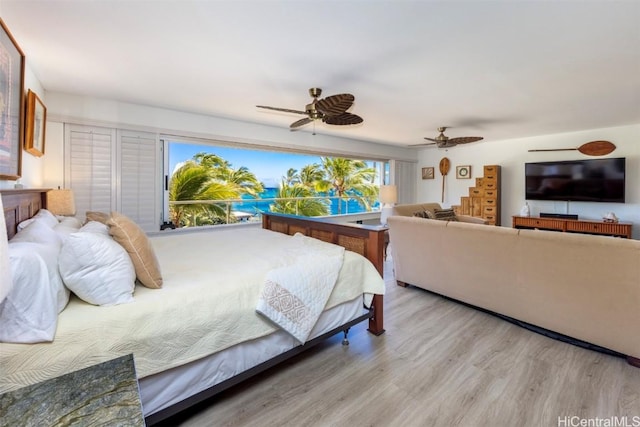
(445, 215)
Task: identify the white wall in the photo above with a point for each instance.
(53, 174)
(65, 108)
(512, 154)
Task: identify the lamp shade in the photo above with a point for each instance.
(61, 202)
(388, 194)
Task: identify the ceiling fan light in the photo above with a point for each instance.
(315, 92)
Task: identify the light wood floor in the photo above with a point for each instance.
(440, 363)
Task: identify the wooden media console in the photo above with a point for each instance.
(618, 229)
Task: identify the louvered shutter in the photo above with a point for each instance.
(404, 174)
(140, 180)
(111, 170)
(90, 167)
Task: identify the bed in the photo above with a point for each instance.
(189, 361)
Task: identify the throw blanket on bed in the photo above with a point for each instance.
(294, 296)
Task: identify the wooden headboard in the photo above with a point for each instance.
(21, 204)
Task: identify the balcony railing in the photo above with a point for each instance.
(250, 209)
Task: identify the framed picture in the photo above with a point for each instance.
(11, 105)
(427, 173)
(36, 120)
(463, 172)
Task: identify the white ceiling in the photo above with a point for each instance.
(498, 69)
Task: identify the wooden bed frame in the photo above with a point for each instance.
(365, 240)
(22, 204)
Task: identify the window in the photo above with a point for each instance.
(136, 173)
(243, 182)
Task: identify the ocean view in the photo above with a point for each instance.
(223, 176)
(254, 206)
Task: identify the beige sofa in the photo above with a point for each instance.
(583, 286)
(411, 209)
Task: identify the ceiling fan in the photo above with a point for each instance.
(331, 110)
(443, 141)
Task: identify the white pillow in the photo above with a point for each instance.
(47, 243)
(97, 269)
(49, 255)
(43, 215)
(29, 313)
(70, 221)
(96, 227)
(66, 226)
(38, 232)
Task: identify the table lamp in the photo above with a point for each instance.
(61, 202)
(388, 197)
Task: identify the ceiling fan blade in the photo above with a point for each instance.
(343, 119)
(335, 104)
(300, 122)
(464, 140)
(286, 110)
(431, 139)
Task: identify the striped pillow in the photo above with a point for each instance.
(445, 214)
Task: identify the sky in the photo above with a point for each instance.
(268, 166)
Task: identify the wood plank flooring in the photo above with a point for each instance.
(439, 363)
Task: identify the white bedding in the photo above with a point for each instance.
(207, 304)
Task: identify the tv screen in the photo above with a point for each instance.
(591, 180)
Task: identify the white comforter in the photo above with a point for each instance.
(211, 286)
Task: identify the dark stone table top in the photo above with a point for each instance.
(103, 394)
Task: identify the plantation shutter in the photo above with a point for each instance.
(404, 176)
(139, 163)
(90, 167)
(111, 170)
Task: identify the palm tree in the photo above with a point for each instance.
(210, 160)
(193, 181)
(242, 179)
(311, 175)
(292, 177)
(209, 177)
(349, 179)
(304, 206)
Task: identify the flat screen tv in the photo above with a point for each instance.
(590, 180)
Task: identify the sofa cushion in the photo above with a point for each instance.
(423, 214)
(431, 207)
(409, 209)
(445, 215)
